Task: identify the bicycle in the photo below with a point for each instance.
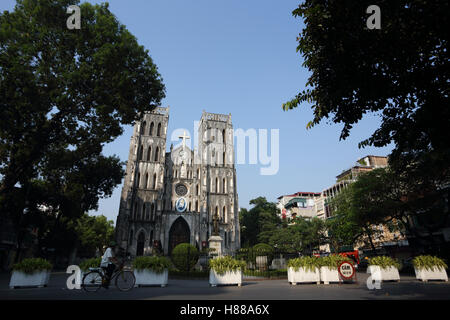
(96, 277)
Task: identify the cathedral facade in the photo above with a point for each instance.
(179, 196)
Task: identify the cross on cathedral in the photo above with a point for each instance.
(184, 137)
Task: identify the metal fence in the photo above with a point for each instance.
(260, 264)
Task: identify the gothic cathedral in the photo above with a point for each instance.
(182, 195)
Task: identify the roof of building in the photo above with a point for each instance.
(301, 194)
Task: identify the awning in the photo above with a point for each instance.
(293, 202)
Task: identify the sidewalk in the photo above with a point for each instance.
(407, 288)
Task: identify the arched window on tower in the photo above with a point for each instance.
(196, 206)
(146, 181)
(138, 180)
(144, 124)
(141, 151)
(151, 128)
(224, 186)
(157, 154)
(154, 211)
(149, 153)
(223, 135)
(224, 212)
(135, 211)
(197, 191)
(158, 132)
(223, 158)
(130, 241)
(143, 213)
(154, 181)
(217, 185)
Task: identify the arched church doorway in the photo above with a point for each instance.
(179, 233)
(140, 244)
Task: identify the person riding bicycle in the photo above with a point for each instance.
(109, 262)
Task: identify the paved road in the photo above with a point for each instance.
(407, 288)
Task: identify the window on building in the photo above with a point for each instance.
(144, 124)
(158, 132)
(151, 128)
(154, 181)
(131, 237)
(149, 153)
(144, 213)
(157, 154)
(141, 152)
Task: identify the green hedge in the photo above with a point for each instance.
(32, 265)
(428, 262)
(156, 264)
(281, 273)
(184, 256)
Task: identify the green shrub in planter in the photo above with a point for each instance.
(333, 261)
(32, 265)
(157, 264)
(184, 256)
(90, 263)
(428, 262)
(384, 262)
(223, 264)
(308, 263)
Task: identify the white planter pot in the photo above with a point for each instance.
(149, 278)
(328, 275)
(427, 274)
(38, 279)
(229, 277)
(383, 274)
(301, 275)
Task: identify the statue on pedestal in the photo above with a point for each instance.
(215, 225)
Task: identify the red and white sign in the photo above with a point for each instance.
(346, 270)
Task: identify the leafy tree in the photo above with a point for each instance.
(399, 72)
(362, 204)
(304, 235)
(258, 223)
(94, 232)
(85, 236)
(63, 95)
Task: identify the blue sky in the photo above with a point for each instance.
(238, 57)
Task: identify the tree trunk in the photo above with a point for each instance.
(369, 235)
